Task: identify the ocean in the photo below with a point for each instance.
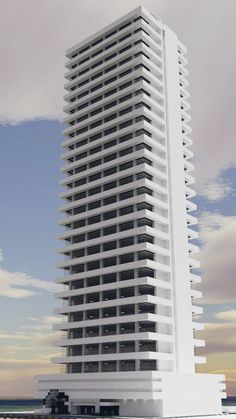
(20, 405)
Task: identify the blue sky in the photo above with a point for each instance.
(30, 136)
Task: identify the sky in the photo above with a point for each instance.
(34, 35)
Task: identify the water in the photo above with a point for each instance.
(20, 405)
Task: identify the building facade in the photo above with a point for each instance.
(128, 328)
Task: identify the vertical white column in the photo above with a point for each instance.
(182, 311)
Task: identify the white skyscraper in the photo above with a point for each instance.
(128, 314)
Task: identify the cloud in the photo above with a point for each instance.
(227, 315)
(219, 337)
(33, 63)
(214, 189)
(21, 285)
(217, 258)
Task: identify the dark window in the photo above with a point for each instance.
(79, 239)
(143, 160)
(94, 191)
(95, 124)
(110, 200)
(110, 130)
(94, 205)
(143, 175)
(110, 185)
(126, 195)
(126, 110)
(93, 249)
(95, 219)
(144, 222)
(80, 182)
(95, 150)
(145, 238)
(110, 157)
(144, 190)
(128, 241)
(109, 230)
(80, 195)
(94, 234)
(109, 262)
(142, 146)
(79, 210)
(95, 137)
(125, 275)
(106, 279)
(110, 117)
(110, 80)
(126, 151)
(95, 264)
(96, 99)
(126, 124)
(110, 105)
(146, 272)
(109, 144)
(127, 258)
(95, 163)
(126, 210)
(126, 97)
(108, 69)
(109, 246)
(126, 226)
(144, 206)
(126, 165)
(79, 224)
(96, 176)
(110, 171)
(125, 180)
(110, 214)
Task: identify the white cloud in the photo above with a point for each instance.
(217, 258)
(227, 315)
(33, 60)
(21, 285)
(214, 189)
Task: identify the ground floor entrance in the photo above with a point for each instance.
(86, 410)
(109, 410)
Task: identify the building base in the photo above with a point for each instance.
(139, 394)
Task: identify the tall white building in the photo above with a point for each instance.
(128, 304)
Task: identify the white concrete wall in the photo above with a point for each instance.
(179, 246)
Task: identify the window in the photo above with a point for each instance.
(94, 190)
(79, 239)
(110, 117)
(144, 254)
(109, 230)
(110, 214)
(109, 246)
(95, 137)
(125, 180)
(143, 175)
(94, 234)
(128, 241)
(109, 262)
(93, 249)
(142, 146)
(125, 275)
(110, 105)
(144, 190)
(95, 177)
(80, 195)
(145, 238)
(95, 163)
(110, 200)
(126, 210)
(126, 151)
(110, 171)
(79, 224)
(94, 220)
(95, 150)
(110, 157)
(106, 279)
(109, 144)
(110, 185)
(95, 264)
(126, 226)
(144, 222)
(144, 206)
(126, 165)
(110, 130)
(94, 205)
(127, 258)
(126, 110)
(93, 281)
(126, 97)
(79, 210)
(126, 195)
(80, 182)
